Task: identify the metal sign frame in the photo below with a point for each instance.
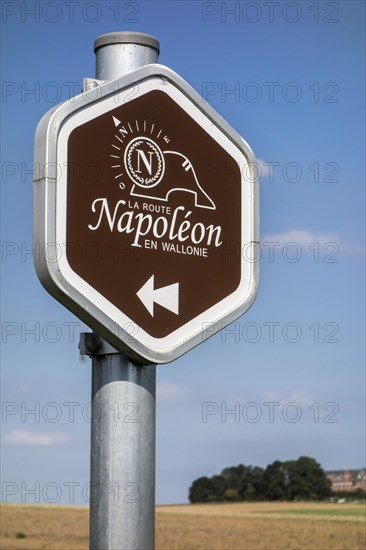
(50, 216)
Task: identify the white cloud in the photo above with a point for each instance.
(263, 169)
(42, 439)
(305, 239)
(300, 397)
(167, 391)
(301, 237)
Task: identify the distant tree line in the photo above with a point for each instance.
(301, 479)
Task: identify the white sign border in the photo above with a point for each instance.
(172, 346)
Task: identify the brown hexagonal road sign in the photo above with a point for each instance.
(146, 214)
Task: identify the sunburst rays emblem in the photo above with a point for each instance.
(136, 157)
(139, 159)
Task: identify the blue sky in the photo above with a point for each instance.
(297, 69)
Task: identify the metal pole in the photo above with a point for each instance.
(117, 53)
(122, 504)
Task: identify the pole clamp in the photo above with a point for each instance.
(92, 345)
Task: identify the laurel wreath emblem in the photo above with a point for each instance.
(137, 177)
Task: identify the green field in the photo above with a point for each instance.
(341, 512)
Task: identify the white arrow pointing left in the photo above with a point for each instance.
(166, 296)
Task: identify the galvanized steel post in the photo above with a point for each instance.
(117, 53)
(122, 503)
